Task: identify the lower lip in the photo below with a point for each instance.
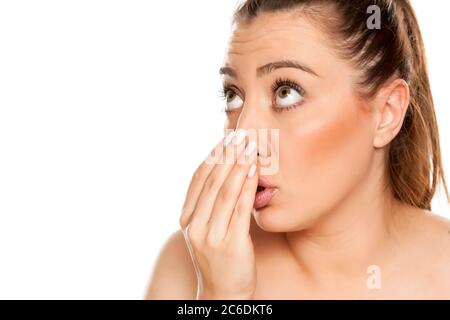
(262, 198)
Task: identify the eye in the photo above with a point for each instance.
(287, 94)
(232, 99)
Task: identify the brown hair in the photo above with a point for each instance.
(414, 162)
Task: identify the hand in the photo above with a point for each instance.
(216, 220)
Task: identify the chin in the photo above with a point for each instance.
(273, 219)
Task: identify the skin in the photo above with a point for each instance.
(334, 214)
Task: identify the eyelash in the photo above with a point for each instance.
(280, 82)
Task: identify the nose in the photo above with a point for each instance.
(256, 121)
(253, 114)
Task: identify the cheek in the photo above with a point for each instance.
(333, 144)
(334, 136)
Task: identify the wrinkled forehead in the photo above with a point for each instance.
(272, 28)
(275, 37)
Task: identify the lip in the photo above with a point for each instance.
(262, 181)
(263, 198)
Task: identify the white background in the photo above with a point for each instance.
(106, 109)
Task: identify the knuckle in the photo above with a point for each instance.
(193, 235)
(249, 186)
(225, 193)
(198, 174)
(212, 242)
(212, 183)
(183, 221)
(237, 209)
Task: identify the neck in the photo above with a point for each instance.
(349, 238)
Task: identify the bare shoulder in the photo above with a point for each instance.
(435, 228)
(433, 238)
(173, 275)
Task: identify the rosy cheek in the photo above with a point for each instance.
(332, 138)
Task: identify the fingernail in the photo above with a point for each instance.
(229, 137)
(239, 137)
(250, 148)
(252, 170)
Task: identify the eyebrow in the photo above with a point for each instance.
(269, 67)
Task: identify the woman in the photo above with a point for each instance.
(347, 213)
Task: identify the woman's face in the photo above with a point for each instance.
(325, 131)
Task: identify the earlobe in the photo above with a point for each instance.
(393, 103)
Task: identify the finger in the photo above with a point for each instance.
(229, 193)
(215, 180)
(198, 180)
(239, 226)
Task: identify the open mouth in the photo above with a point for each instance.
(264, 193)
(260, 188)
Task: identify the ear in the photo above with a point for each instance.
(391, 105)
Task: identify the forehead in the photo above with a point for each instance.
(274, 37)
(271, 22)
